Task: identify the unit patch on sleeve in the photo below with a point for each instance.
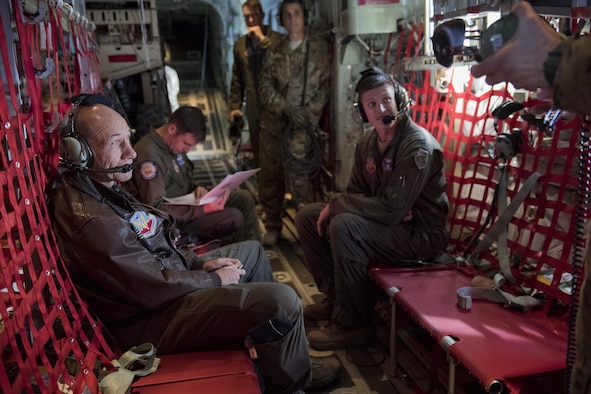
(422, 158)
(148, 170)
(370, 165)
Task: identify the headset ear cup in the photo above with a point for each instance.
(401, 96)
(362, 113)
(357, 113)
(75, 151)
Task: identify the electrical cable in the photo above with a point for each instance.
(308, 163)
(581, 218)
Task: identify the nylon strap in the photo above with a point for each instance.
(119, 381)
(499, 229)
(523, 303)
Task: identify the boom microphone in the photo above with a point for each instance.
(387, 119)
(125, 168)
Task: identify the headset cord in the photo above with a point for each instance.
(581, 219)
(309, 163)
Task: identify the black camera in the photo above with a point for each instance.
(448, 39)
(508, 144)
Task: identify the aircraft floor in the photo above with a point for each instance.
(365, 369)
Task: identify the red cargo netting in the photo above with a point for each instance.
(541, 234)
(49, 341)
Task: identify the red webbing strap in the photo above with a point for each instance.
(46, 326)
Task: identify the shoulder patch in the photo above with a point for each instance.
(370, 165)
(144, 223)
(422, 159)
(148, 170)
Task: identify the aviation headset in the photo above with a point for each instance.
(370, 79)
(300, 2)
(74, 150)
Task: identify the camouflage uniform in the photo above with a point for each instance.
(160, 173)
(287, 107)
(249, 54)
(366, 223)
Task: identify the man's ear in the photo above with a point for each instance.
(171, 129)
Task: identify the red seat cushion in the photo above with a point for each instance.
(204, 372)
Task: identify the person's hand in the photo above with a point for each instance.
(199, 192)
(408, 216)
(257, 31)
(218, 204)
(322, 218)
(234, 113)
(521, 60)
(229, 270)
(216, 264)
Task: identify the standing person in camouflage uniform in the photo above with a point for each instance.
(395, 207)
(249, 53)
(294, 88)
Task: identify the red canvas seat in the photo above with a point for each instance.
(492, 342)
(201, 372)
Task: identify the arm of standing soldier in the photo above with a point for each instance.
(521, 60)
(237, 84)
(573, 76)
(539, 57)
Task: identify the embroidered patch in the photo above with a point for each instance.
(370, 165)
(148, 170)
(422, 158)
(144, 223)
(387, 165)
(180, 159)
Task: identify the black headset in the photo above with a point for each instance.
(74, 150)
(373, 77)
(300, 2)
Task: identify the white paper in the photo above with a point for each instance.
(230, 182)
(187, 199)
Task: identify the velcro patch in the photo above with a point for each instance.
(148, 170)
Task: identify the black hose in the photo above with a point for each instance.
(582, 215)
(309, 163)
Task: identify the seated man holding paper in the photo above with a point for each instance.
(164, 173)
